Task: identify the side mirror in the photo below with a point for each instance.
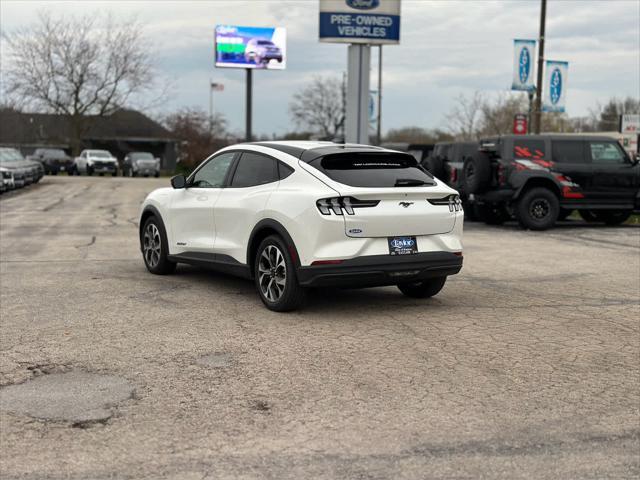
(179, 181)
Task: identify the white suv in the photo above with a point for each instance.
(291, 215)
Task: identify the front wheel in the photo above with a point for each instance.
(89, 171)
(275, 276)
(423, 289)
(538, 209)
(609, 217)
(155, 247)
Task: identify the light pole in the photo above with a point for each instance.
(538, 107)
(379, 123)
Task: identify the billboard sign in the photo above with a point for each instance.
(523, 55)
(251, 47)
(373, 22)
(555, 91)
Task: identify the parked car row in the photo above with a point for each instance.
(93, 161)
(16, 171)
(540, 179)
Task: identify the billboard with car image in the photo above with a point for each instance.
(251, 47)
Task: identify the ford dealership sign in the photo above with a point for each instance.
(373, 22)
(523, 64)
(555, 86)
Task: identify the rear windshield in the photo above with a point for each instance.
(141, 156)
(373, 169)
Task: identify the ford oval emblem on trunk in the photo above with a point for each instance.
(525, 65)
(363, 4)
(555, 89)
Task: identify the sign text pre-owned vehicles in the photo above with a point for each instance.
(293, 215)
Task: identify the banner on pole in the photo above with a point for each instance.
(555, 83)
(523, 55)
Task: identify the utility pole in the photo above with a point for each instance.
(248, 105)
(379, 120)
(538, 107)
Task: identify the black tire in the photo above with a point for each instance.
(115, 173)
(89, 171)
(423, 289)
(610, 217)
(538, 209)
(54, 172)
(564, 214)
(469, 211)
(157, 175)
(476, 173)
(491, 214)
(70, 172)
(275, 277)
(435, 166)
(157, 261)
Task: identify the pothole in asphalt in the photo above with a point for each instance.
(78, 397)
(215, 360)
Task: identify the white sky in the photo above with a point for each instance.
(446, 48)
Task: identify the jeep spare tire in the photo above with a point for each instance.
(435, 166)
(476, 173)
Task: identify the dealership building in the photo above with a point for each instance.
(122, 132)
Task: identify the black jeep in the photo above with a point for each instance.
(540, 179)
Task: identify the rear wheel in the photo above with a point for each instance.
(89, 170)
(423, 289)
(155, 247)
(538, 209)
(491, 214)
(275, 276)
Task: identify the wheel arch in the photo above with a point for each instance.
(149, 211)
(262, 230)
(538, 181)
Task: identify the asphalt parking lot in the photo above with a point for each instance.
(527, 365)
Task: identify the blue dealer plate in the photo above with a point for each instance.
(402, 245)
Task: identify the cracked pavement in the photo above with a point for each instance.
(527, 365)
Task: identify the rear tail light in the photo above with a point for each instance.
(338, 204)
(453, 201)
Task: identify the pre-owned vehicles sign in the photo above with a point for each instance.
(360, 21)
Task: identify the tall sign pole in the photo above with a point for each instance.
(249, 106)
(360, 23)
(379, 120)
(538, 105)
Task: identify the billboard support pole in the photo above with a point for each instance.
(357, 115)
(248, 105)
(538, 106)
(379, 120)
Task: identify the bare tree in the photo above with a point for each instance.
(77, 67)
(320, 106)
(200, 135)
(463, 118)
(497, 115)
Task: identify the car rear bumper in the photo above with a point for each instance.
(380, 270)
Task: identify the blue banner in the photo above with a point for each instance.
(364, 27)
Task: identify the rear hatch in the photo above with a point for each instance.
(386, 194)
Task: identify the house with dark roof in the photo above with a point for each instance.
(121, 132)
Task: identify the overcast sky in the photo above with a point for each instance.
(446, 48)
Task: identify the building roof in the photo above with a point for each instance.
(19, 128)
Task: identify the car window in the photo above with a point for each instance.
(606, 152)
(529, 149)
(213, 173)
(254, 169)
(373, 169)
(417, 154)
(568, 151)
(99, 154)
(284, 170)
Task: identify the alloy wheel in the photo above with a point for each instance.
(151, 245)
(539, 208)
(272, 273)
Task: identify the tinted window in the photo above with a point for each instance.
(141, 156)
(99, 154)
(212, 174)
(373, 169)
(606, 152)
(254, 169)
(530, 149)
(568, 151)
(284, 170)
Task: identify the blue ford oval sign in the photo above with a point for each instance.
(363, 4)
(525, 65)
(555, 87)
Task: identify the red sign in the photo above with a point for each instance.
(520, 124)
